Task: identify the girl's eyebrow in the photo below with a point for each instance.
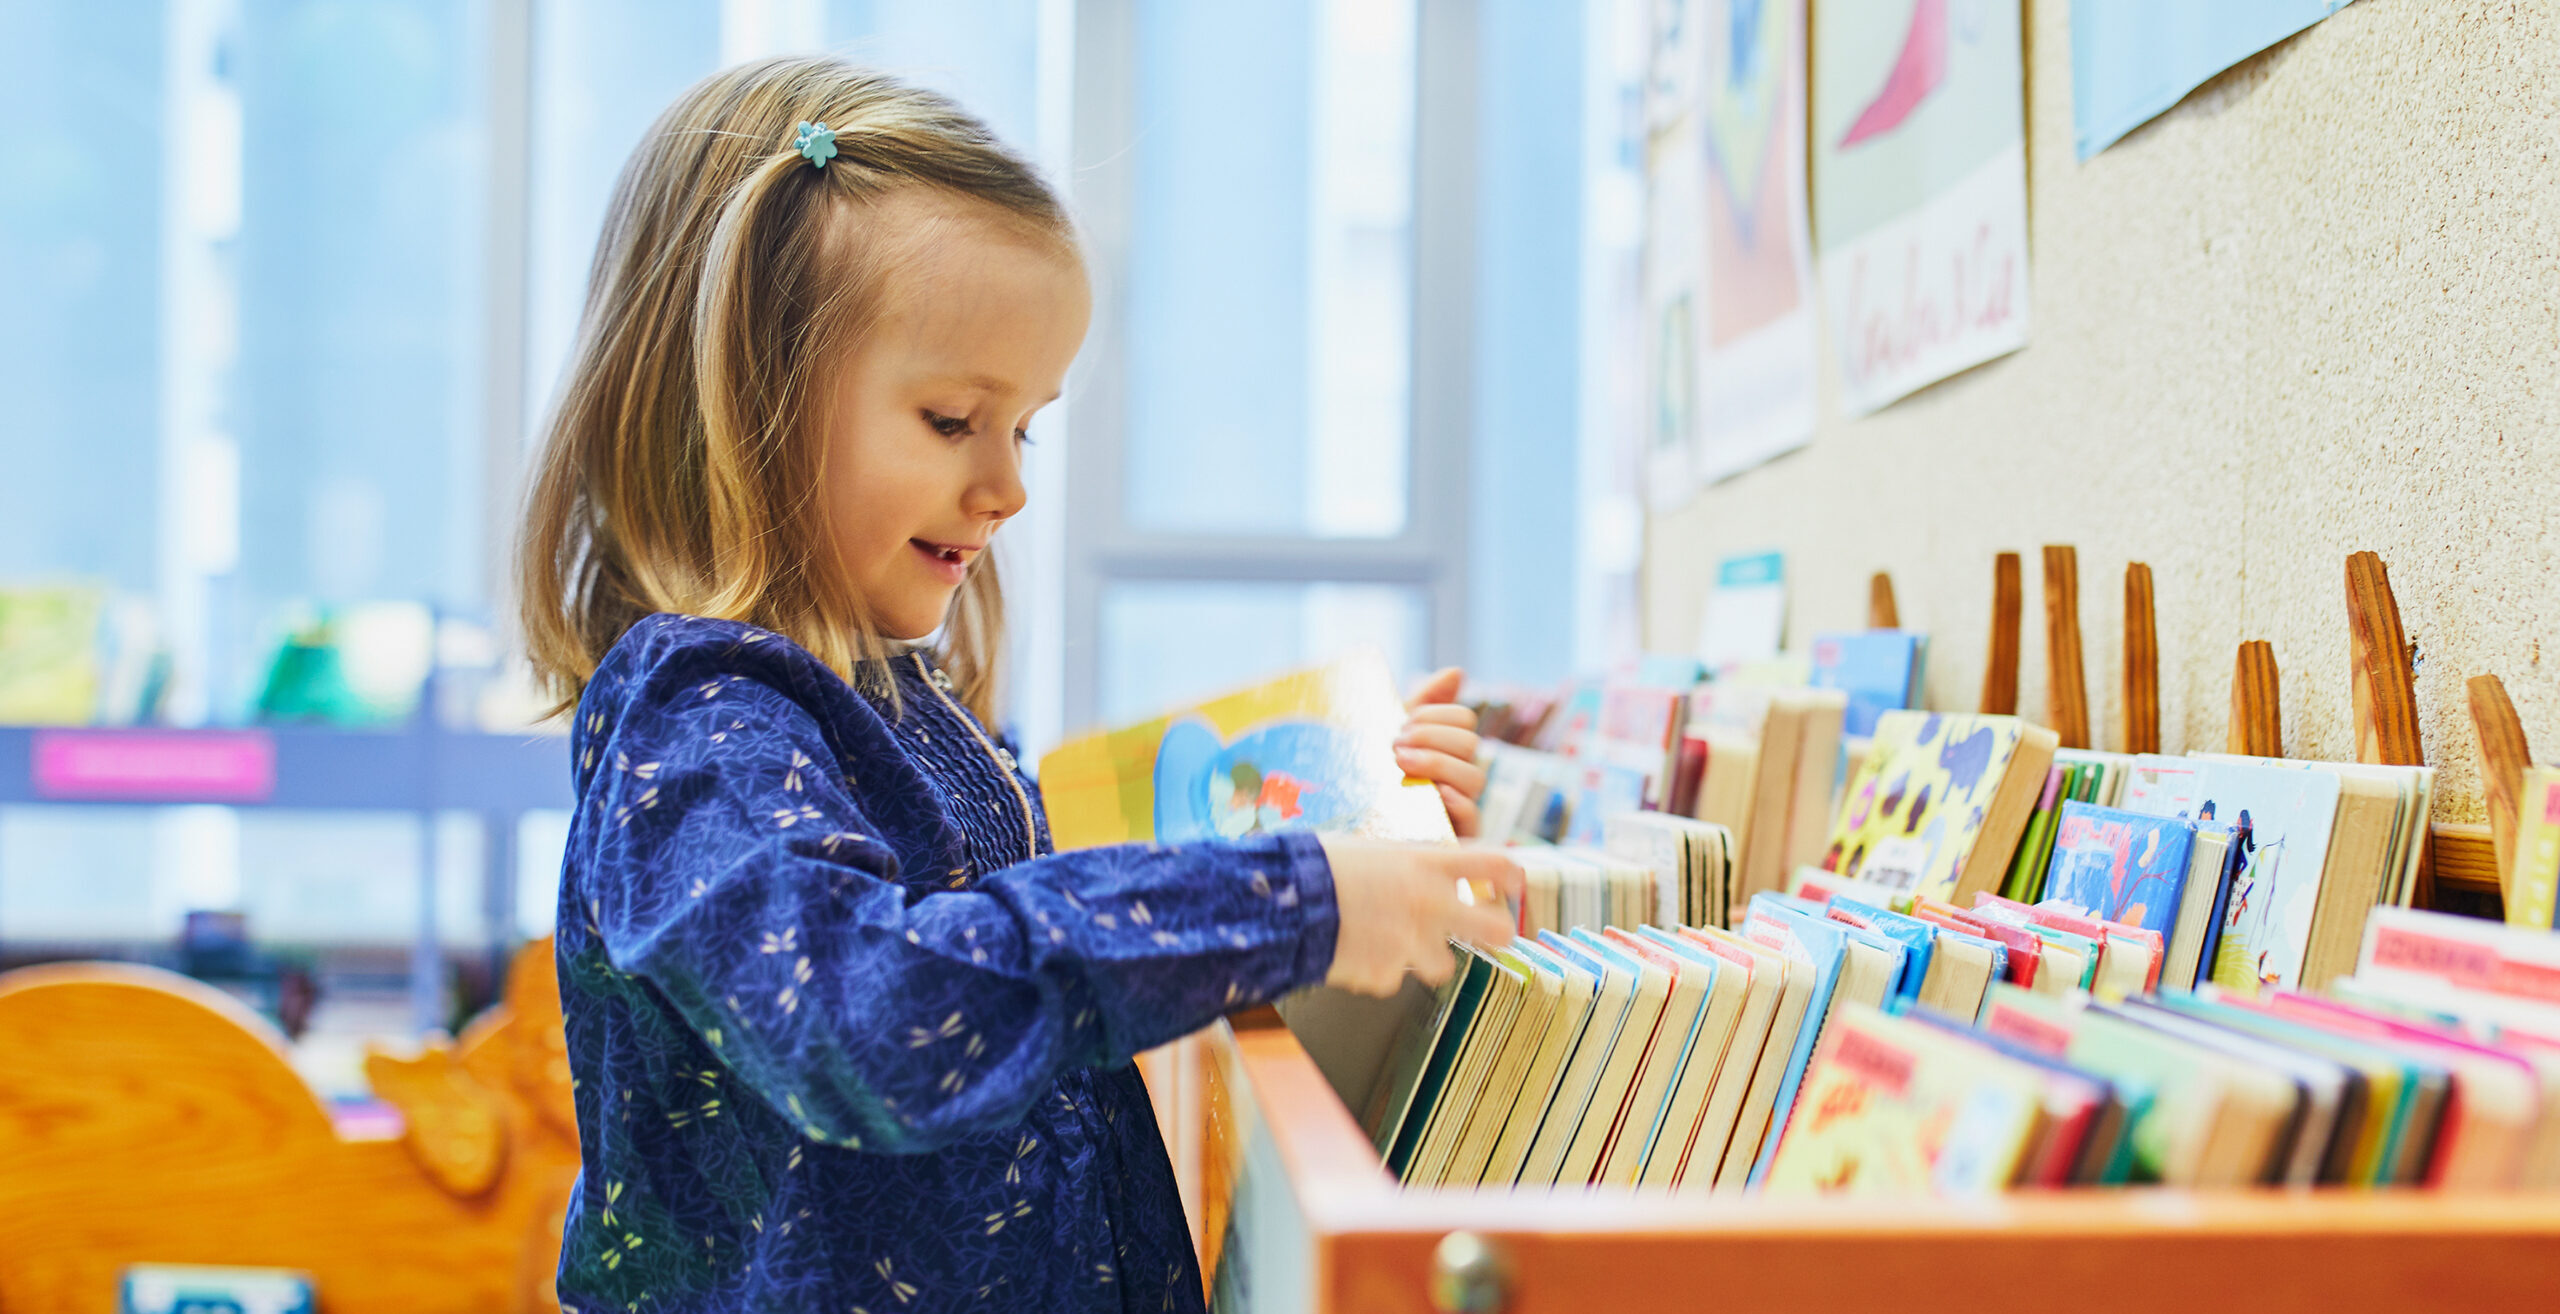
(990, 383)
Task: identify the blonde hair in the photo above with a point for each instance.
(680, 471)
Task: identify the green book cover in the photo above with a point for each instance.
(1474, 975)
(1411, 1050)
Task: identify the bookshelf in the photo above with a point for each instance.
(1298, 1215)
(420, 768)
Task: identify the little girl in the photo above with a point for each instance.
(846, 1034)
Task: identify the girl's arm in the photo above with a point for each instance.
(734, 874)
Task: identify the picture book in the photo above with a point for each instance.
(1892, 1106)
(1940, 802)
(1880, 671)
(2121, 866)
(2288, 813)
(1746, 611)
(1821, 947)
(2533, 881)
(49, 670)
(1312, 750)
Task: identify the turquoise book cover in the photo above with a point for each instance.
(2121, 866)
(1819, 943)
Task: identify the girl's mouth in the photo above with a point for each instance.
(943, 559)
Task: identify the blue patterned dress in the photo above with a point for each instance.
(847, 1036)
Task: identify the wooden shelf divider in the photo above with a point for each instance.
(2000, 671)
(1882, 614)
(2257, 721)
(2066, 684)
(2504, 757)
(2141, 663)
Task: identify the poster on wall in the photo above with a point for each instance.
(1674, 283)
(2133, 59)
(1920, 190)
(1756, 338)
(1729, 297)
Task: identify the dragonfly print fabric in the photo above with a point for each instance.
(847, 1035)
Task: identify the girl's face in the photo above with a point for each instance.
(925, 429)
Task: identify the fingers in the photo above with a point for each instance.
(1440, 686)
(1458, 715)
(1456, 741)
(1434, 965)
(1485, 928)
(1490, 868)
(1421, 764)
(1465, 818)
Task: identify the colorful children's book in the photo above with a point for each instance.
(1400, 1131)
(1709, 1098)
(1601, 1037)
(1879, 670)
(2533, 884)
(2267, 915)
(1746, 612)
(49, 668)
(1822, 947)
(1940, 802)
(2121, 866)
(1577, 988)
(1313, 750)
(1730, 1170)
(1893, 1106)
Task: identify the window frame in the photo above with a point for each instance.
(1101, 545)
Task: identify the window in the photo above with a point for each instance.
(1256, 478)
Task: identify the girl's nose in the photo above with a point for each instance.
(996, 490)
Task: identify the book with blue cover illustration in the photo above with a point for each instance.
(2121, 866)
(1309, 751)
(1879, 670)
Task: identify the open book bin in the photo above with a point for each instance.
(1295, 1214)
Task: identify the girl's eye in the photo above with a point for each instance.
(1022, 436)
(949, 426)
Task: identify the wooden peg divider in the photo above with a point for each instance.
(1881, 613)
(2504, 757)
(2386, 700)
(2141, 663)
(2066, 685)
(2385, 690)
(2000, 673)
(2257, 727)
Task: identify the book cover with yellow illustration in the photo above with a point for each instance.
(1894, 1107)
(1311, 750)
(1939, 803)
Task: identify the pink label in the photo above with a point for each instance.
(2458, 961)
(2027, 1029)
(211, 766)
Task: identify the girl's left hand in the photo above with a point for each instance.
(1438, 744)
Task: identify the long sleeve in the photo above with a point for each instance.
(733, 873)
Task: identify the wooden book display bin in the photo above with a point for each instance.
(1298, 1216)
(146, 1118)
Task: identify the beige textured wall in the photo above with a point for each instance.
(2313, 309)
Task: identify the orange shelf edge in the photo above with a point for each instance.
(1622, 1250)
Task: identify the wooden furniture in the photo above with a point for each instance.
(2000, 670)
(2257, 725)
(2066, 694)
(1882, 613)
(1302, 1218)
(148, 1118)
(2504, 758)
(2141, 663)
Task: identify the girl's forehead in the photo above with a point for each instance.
(982, 302)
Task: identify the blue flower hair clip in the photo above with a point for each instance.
(816, 144)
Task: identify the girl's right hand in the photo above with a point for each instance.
(1398, 907)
